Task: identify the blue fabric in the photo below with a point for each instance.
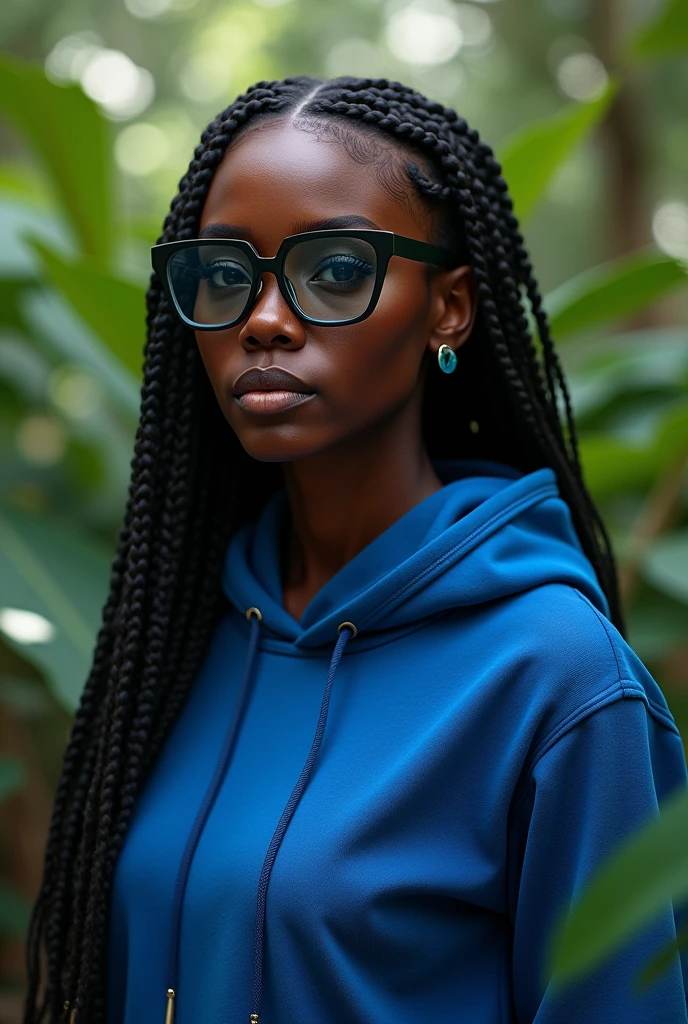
(490, 739)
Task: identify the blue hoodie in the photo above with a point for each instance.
(373, 815)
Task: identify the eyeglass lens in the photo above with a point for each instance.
(329, 279)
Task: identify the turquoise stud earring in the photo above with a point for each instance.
(446, 357)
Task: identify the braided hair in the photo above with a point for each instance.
(192, 485)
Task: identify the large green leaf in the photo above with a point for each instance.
(657, 624)
(666, 564)
(24, 182)
(627, 892)
(53, 320)
(48, 570)
(70, 135)
(671, 439)
(11, 777)
(11, 294)
(112, 306)
(611, 291)
(533, 155)
(664, 36)
(612, 464)
(19, 218)
(616, 369)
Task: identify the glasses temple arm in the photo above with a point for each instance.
(424, 252)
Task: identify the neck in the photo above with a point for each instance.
(344, 498)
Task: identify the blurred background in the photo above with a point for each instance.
(101, 105)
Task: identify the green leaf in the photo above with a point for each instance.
(629, 890)
(671, 440)
(49, 571)
(656, 626)
(11, 294)
(114, 307)
(664, 36)
(18, 219)
(11, 777)
(533, 155)
(57, 325)
(612, 464)
(665, 564)
(616, 368)
(70, 136)
(24, 182)
(14, 913)
(663, 960)
(611, 291)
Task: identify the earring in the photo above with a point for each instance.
(446, 357)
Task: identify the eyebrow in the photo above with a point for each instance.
(236, 231)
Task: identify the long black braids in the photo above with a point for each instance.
(192, 485)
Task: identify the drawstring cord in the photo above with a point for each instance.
(346, 631)
(254, 616)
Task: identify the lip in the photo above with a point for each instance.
(271, 401)
(273, 378)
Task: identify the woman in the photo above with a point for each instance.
(351, 493)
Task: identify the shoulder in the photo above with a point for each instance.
(563, 660)
(556, 619)
(547, 631)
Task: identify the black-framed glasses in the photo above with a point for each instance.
(327, 277)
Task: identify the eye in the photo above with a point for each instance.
(225, 275)
(343, 271)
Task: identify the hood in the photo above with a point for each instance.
(491, 531)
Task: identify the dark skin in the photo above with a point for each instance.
(353, 456)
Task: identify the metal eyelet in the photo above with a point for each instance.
(348, 625)
(254, 611)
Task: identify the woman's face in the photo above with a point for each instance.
(278, 180)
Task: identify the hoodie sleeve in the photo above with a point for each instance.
(591, 788)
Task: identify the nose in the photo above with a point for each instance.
(271, 322)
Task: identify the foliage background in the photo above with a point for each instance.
(101, 104)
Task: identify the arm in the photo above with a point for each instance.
(585, 794)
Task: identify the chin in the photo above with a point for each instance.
(281, 444)
(285, 436)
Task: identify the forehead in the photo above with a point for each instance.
(277, 175)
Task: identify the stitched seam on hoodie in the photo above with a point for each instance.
(622, 686)
(611, 695)
(661, 713)
(533, 498)
(615, 691)
(628, 689)
(658, 710)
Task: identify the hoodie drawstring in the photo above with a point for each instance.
(254, 617)
(346, 631)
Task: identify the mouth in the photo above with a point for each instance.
(272, 401)
(271, 390)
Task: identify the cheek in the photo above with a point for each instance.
(207, 351)
(219, 351)
(383, 354)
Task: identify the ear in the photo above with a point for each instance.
(454, 304)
